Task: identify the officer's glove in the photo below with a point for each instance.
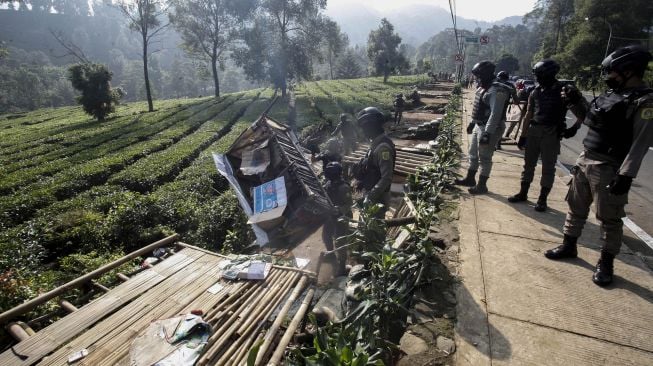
(521, 143)
(570, 132)
(620, 185)
(571, 95)
(485, 138)
(470, 128)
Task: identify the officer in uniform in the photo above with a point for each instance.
(487, 126)
(374, 171)
(620, 133)
(503, 77)
(544, 126)
(399, 108)
(340, 194)
(348, 132)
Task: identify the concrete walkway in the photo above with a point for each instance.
(516, 307)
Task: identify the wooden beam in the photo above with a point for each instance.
(31, 304)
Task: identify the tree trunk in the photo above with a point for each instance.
(214, 68)
(330, 66)
(148, 92)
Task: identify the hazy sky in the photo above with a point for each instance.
(473, 9)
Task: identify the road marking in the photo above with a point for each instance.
(641, 234)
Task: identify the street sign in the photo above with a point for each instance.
(484, 39)
(459, 58)
(471, 39)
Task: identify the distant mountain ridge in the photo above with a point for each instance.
(415, 23)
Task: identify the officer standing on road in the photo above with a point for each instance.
(348, 132)
(487, 126)
(503, 77)
(374, 171)
(620, 133)
(544, 127)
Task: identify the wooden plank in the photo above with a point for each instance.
(55, 335)
(114, 334)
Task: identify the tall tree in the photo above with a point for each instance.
(348, 66)
(282, 41)
(334, 42)
(508, 63)
(383, 50)
(209, 27)
(94, 82)
(144, 17)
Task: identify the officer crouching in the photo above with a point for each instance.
(374, 171)
(620, 133)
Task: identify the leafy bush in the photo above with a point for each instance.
(94, 82)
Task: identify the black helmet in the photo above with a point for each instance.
(483, 70)
(333, 145)
(370, 115)
(503, 75)
(546, 68)
(634, 58)
(343, 116)
(333, 170)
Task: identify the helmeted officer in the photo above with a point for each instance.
(399, 107)
(487, 126)
(339, 192)
(503, 77)
(374, 171)
(544, 126)
(620, 133)
(348, 132)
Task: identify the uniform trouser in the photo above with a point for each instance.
(481, 155)
(588, 185)
(332, 230)
(542, 141)
(398, 114)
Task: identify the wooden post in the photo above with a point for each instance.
(122, 277)
(17, 332)
(31, 304)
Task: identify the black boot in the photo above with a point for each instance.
(522, 195)
(481, 187)
(541, 201)
(604, 269)
(468, 181)
(566, 250)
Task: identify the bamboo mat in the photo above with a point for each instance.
(239, 313)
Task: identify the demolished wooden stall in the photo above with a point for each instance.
(239, 311)
(408, 160)
(266, 152)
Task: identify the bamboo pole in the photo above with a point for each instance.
(122, 277)
(264, 309)
(67, 306)
(31, 304)
(17, 331)
(271, 333)
(219, 334)
(285, 340)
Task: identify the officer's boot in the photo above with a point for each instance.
(566, 250)
(481, 186)
(522, 195)
(541, 201)
(469, 180)
(604, 269)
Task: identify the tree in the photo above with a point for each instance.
(383, 50)
(144, 17)
(348, 66)
(94, 82)
(508, 63)
(334, 41)
(209, 27)
(281, 42)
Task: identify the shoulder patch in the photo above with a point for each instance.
(385, 155)
(647, 113)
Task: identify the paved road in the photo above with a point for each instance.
(640, 207)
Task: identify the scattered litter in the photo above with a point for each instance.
(247, 270)
(302, 262)
(215, 288)
(77, 356)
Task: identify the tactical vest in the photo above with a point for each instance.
(369, 173)
(508, 89)
(610, 122)
(550, 110)
(481, 111)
